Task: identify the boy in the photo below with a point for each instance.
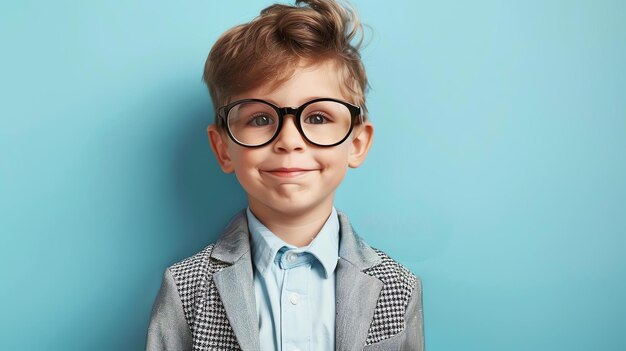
(288, 272)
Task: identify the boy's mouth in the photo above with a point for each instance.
(287, 172)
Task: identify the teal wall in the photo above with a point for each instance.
(498, 171)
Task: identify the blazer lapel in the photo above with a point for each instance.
(356, 292)
(235, 282)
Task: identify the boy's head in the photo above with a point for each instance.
(288, 90)
(267, 50)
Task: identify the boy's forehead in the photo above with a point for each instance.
(307, 82)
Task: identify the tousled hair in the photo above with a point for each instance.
(268, 50)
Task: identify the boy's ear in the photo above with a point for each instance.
(219, 145)
(361, 143)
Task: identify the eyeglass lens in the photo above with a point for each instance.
(323, 122)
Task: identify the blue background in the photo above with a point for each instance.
(498, 171)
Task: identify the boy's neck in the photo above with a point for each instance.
(297, 229)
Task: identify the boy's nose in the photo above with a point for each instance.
(289, 137)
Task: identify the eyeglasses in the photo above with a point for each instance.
(322, 122)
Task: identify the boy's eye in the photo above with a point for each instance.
(316, 118)
(260, 120)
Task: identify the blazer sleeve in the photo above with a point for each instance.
(414, 340)
(168, 328)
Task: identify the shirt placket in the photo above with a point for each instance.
(295, 311)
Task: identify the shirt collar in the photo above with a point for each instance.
(265, 244)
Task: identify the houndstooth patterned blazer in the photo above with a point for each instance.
(206, 302)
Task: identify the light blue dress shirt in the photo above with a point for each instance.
(295, 288)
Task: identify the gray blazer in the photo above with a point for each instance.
(206, 302)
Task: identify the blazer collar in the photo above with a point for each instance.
(235, 283)
(354, 315)
(234, 243)
(236, 286)
(352, 248)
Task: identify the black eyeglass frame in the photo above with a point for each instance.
(222, 113)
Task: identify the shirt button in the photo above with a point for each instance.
(294, 298)
(291, 257)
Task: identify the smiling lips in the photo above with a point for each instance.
(288, 172)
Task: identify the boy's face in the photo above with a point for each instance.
(321, 169)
